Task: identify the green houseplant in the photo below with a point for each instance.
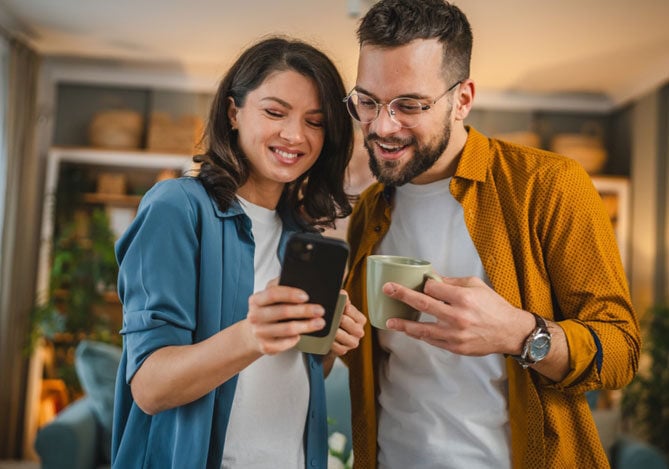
(83, 270)
(645, 403)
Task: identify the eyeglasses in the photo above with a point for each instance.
(403, 111)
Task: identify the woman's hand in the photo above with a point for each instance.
(351, 330)
(278, 315)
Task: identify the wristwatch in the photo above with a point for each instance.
(537, 344)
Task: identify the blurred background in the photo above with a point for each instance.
(99, 100)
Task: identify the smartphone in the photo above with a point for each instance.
(316, 264)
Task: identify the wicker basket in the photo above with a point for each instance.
(112, 183)
(586, 147)
(180, 135)
(120, 129)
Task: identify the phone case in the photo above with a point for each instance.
(316, 264)
(321, 345)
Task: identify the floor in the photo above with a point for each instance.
(19, 465)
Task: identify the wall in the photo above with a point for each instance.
(649, 237)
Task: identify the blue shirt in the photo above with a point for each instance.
(185, 273)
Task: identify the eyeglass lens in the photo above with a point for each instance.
(404, 111)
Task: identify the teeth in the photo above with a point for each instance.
(286, 155)
(390, 147)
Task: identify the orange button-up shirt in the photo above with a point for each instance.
(547, 245)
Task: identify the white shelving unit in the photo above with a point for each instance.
(116, 160)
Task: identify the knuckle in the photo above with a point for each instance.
(284, 311)
(422, 303)
(271, 295)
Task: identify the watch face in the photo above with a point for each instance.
(539, 347)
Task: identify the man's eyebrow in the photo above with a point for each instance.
(287, 104)
(360, 89)
(376, 98)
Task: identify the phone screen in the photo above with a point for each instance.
(316, 264)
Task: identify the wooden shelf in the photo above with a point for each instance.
(108, 296)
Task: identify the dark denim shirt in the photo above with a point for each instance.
(186, 272)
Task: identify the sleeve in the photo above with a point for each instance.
(588, 283)
(158, 274)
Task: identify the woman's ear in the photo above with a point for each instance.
(232, 113)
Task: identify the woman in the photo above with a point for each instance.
(209, 374)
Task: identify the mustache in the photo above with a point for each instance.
(373, 137)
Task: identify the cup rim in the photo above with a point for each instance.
(388, 258)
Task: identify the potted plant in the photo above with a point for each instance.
(645, 403)
(83, 271)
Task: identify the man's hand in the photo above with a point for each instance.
(471, 318)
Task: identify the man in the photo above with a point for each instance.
(534, 307)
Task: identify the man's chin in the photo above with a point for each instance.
(390, 176)
(392, 172)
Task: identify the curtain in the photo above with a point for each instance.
(19, 240)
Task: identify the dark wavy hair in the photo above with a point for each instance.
(317, 197)
(392, 23)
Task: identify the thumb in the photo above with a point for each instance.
(274, 282)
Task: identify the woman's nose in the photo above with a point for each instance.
(292, 131)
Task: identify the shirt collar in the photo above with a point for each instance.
(475, 157)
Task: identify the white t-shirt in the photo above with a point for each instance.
(269, 410)
(438, 409)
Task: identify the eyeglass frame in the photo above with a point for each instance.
(391, 113)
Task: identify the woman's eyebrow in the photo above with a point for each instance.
(287, 104)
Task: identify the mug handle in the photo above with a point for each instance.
(433, 276)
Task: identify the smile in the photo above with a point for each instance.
(286, 155)
(390, 148)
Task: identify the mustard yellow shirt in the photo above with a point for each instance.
(547, 246)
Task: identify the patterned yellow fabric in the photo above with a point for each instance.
(548, 246)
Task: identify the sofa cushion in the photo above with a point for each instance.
(96, 364)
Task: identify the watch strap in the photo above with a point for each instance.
(541, 326)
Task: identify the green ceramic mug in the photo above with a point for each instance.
(407, 271)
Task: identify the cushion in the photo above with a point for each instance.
(96, 364)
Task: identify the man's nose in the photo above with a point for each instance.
(385, 123)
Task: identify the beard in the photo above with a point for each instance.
(391, 173)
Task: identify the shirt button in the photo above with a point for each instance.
(377, 228)
(313, 463)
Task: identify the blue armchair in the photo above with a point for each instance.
(624, 451)
(80, 435)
